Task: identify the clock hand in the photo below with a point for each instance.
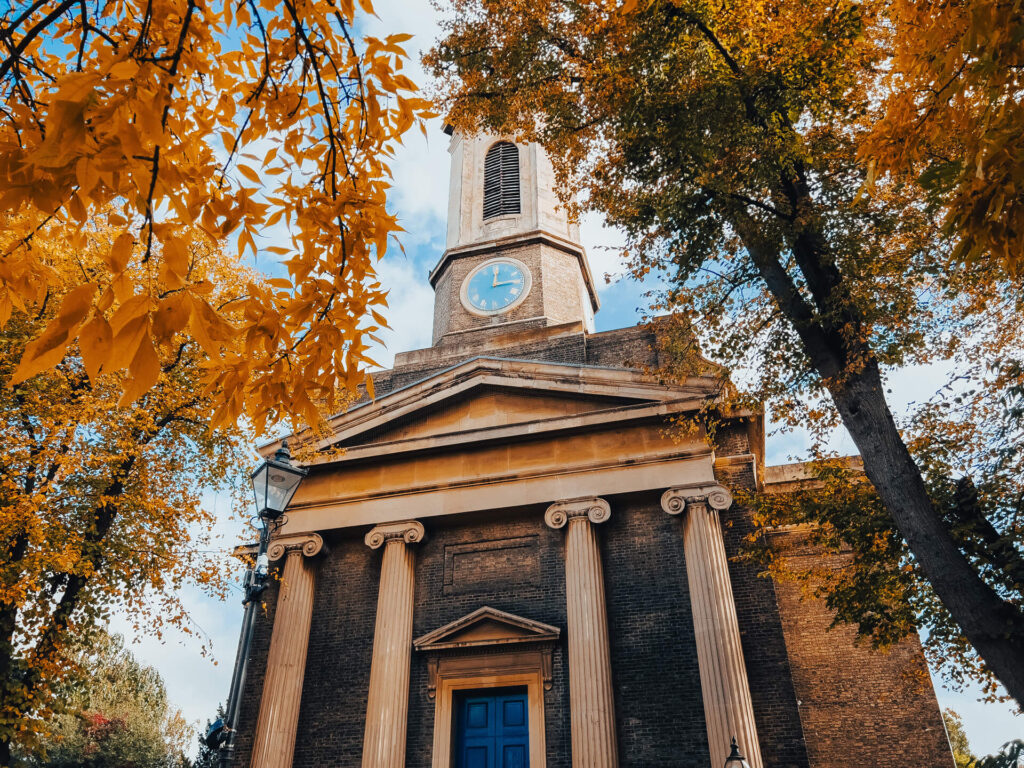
(495, 283)
(507, 282)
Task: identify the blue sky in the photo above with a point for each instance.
(196, 684)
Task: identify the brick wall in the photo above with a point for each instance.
(860, 708)
(659, 710)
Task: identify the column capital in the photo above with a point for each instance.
(409, 531)
(309, 544)
(675, 500)
(594, 509)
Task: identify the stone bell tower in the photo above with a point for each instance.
(512, 257)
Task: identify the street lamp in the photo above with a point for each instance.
(274, 483)
(735, 759)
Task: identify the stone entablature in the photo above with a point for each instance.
(498, 433)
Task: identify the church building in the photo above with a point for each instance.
(512, 563)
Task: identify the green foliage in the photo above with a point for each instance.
(1011, 755)
(115, 716)
(962, 755)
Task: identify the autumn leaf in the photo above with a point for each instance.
(144, 370)
(95, 341)
(48, 350)
(151, 142)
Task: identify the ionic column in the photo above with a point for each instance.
(388, 703)
(591, 702)
(274, 742)
(728, 710)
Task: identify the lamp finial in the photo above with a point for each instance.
(283, 454)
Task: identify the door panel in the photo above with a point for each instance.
(492, 729)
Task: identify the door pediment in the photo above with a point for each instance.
(486, 627)
(486, 643)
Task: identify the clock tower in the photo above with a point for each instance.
(513, 257)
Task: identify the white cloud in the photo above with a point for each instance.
(410, 307)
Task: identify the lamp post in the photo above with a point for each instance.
(274, 483)
(735, 759)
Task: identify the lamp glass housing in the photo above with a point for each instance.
(735, 759)
(274, 482)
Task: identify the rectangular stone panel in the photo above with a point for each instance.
(491, 566)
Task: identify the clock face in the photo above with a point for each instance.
(496, 286)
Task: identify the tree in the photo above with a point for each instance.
(954, 104)
(100, 500)
(724, 140)
(116, 716)
(1011, 755)
(962, 755)
(170, 120)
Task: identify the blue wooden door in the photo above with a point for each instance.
(492, 729)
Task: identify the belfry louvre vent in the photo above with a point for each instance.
(501, 180)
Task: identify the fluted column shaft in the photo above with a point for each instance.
(387, 705)
(274, 742)
(591, 700)
(728, 710)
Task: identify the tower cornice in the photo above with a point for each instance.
(526, 238)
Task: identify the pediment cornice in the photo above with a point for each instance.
(615, 393)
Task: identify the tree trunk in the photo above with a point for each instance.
(993, 626)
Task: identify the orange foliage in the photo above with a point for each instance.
(169, 119)
(954, 115)
(100, 500)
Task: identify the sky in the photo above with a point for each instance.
(197, 684)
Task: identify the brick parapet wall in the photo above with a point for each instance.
(633, 347)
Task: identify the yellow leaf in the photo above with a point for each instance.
(77, 209)
(144, 370)
(121, 252)
(124, 70)
(249, 173)
(136, 306)
(170, 316)
(127, 342)
(208, 328)
(95, 342)
(48, 350)
(177, 256)
(76, 85)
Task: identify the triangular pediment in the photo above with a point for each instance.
(486, 627)
(485, 407)
(487, 395)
